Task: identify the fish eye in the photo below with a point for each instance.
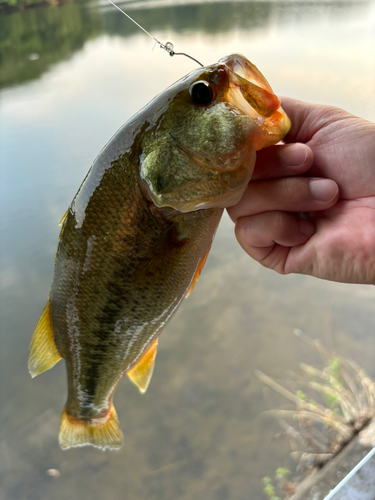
(201, 92)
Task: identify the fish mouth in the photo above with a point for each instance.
(242, 67)
(251, 93)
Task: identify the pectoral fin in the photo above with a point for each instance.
(64, 217)
(197, 273)
(141, 373)
(43, 351)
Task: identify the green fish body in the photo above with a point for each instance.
(136, 236)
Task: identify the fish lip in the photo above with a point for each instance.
(255, 96)
(242, 67)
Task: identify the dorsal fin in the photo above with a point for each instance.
(43, 351)
(141, 373)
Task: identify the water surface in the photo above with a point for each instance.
(70, 76)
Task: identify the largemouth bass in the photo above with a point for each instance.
(135, 237)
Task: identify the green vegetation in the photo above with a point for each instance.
(280, 487)
(269, 488)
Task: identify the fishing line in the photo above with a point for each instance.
(168, 46)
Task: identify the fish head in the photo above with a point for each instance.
(201, 152)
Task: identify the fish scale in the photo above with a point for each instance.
(111, 292)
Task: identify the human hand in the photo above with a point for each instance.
(325, 170)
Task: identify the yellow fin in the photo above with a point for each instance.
(197, 273)
(103, 432)
(64, 217)
(43, 351)
(141, 373)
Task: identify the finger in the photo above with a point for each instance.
(291, 194)
(268, 237)
(298, 113)
(282, 160)
(307, 119)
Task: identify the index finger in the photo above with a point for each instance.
(307, 118)
(282, 160)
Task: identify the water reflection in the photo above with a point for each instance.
(221, 16)
(197, 432)
(31, 41)
(205, 17)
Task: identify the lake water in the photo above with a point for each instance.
(70, 76)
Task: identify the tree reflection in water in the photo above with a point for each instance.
(32, 40)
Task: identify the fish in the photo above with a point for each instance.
(136, 236)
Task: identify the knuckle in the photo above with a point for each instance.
(242, 228)
(279, 222)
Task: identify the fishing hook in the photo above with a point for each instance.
(168, 46)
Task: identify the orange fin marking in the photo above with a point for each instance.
(141, 373)
(197, 273)
(103, 432)
(43, 351)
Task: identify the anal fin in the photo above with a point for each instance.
(197, 273)
(141, 373)
(103, 432)
(43, 351)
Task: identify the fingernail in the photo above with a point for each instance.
(294, 154)
(323, 189)
(306, 227)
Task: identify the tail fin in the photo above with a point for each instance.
(101, 432)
